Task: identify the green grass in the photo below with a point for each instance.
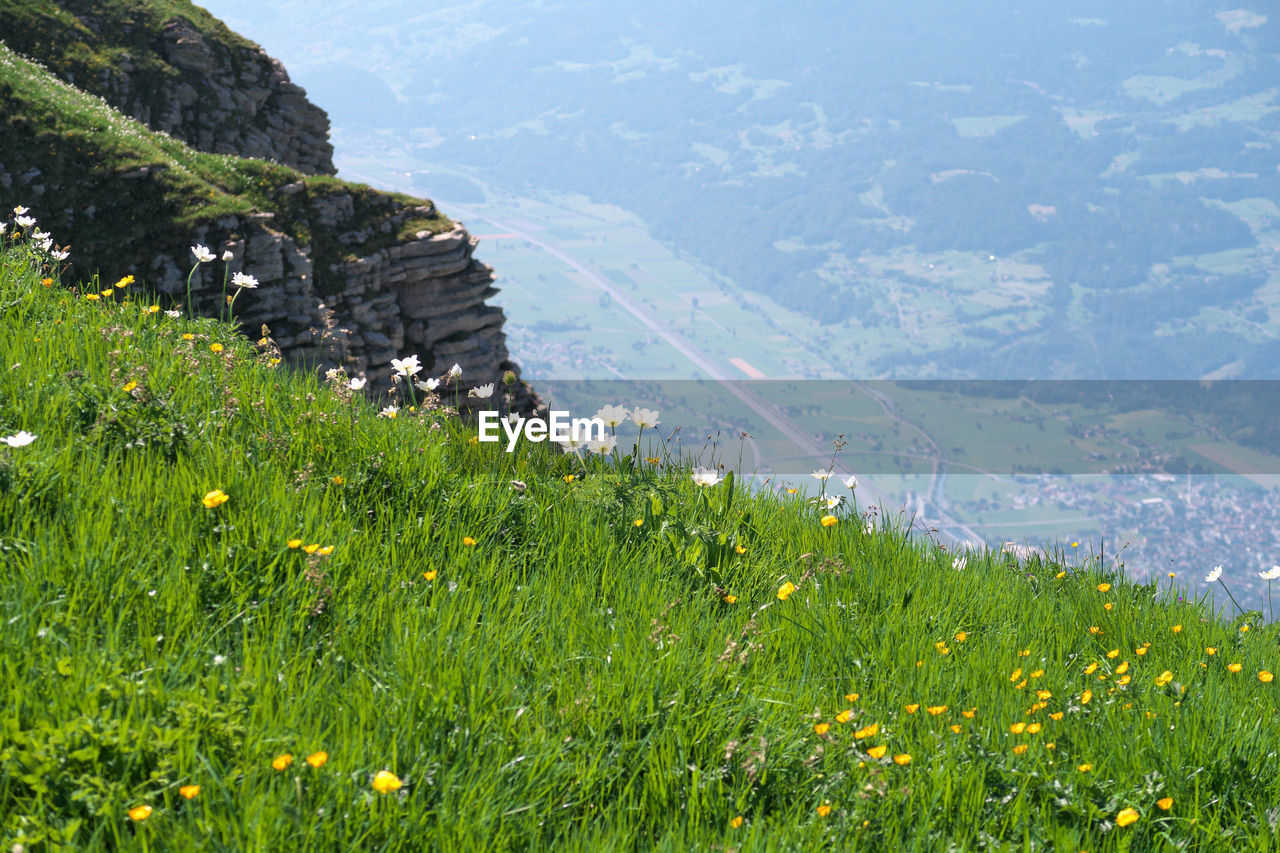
(571, 680)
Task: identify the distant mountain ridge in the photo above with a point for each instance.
(350, 277)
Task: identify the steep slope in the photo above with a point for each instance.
(349, 276)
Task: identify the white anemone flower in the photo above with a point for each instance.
(60, 255)
(25, 221)
(1270, 575)
(821, 475)
(852, 483)
(19, 210)
(174, 314)
(705, 477)
(406, 366)
(248, 282)
(2, 227)
(571, 443)
(602, 446)
(612, 415)
(389, 412)
(644, 418)
(226, 255)
(429, 384)
(1213, 575)
(39, 236)
(833, 501)
(46, 244)
(203, 255)
(20, 439)
(481, 392)
(455, 371)
(357, 383)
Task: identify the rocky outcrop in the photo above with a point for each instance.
(200, 83)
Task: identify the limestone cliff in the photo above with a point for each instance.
(348, 276)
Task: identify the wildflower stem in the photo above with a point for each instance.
(1232, 597)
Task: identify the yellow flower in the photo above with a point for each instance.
(273, 361)
(913, 707)
(968, 715)
(568, 478)
(736, 822)
(1019, 749)
(1107, 606)
(125, 282)
(1244, 629)
(1055, 716)
(1234, 667)
(1094, 629)
(1034, 728)
(730, 599)
(955, 728)
(935, 710)
(214, 499)
(47, 282)
(903, 759)
(830, 521)
(851, 697)
(93, 297)
(1177, 629)
(1140, 651)
(325, 551)
(738, 549)
(187, 336)
(1025, 653)
(652, 460)
(824, 810)
(1165, 803)
(1060, 575)
(338, 480)
(1050, 746)
(281, 762)
(1210, 650)
(1265, 677)
(189, 792)
(140, 813)
(791, 491)
(867, 731)
(129, 386)
(1037, 673)
(1126, 817)
(1021, 684)
(877, 751)
(639, 522)
(312, 548)
(108, 292)
(941, 646)
(1018, 728)
(1085, 697)
(1085, 768)
(385, 782)
(847, 715)
(1091, 669)
(1124, 679)
(1016, 674)
(153, 309)
(431, 575)
(294, 543)
(1104, 587)
(784, 591)
(1043, 695)
(961, 636)
(821, 728)
(468, 541)
(1122, 668)
(215, 347)
(1164, 678)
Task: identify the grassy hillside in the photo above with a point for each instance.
(493, 651)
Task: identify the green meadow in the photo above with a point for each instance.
(243, 608)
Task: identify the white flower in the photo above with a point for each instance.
(39, 236)
(203, 255)
(455, 371)
(406, 367)
(958, 563)
(174, 314)
(1271, 575)
(869, 528)
(46, 244)
(335, 374)
(851, 483)
(219, 660)
(60, 255)
(226, 255)
(705, 476)
(19, 210)
(821, 475)
(356, 384)
(21, 439)
(1213, 575)
(248, 282)
(514, 418)
(833, 501)
(482, 392)
(389, 412)
(612, 415)
(644, 418)
(429, 384)
(601, 446)
(25, 221)
(2, 227)
(571, 443)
